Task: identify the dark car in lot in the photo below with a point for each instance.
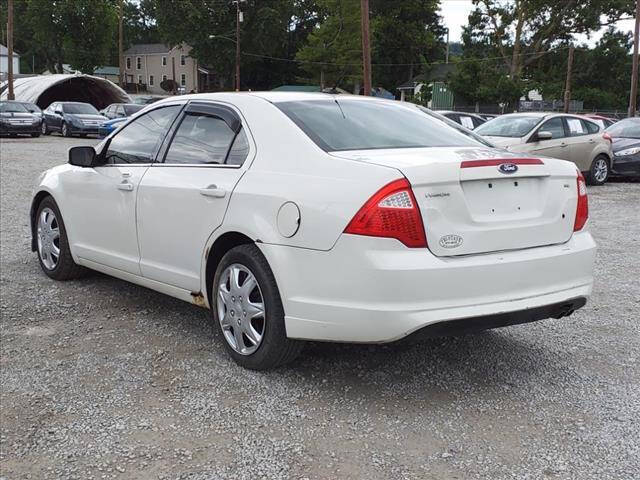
(16, 119)
(71, 118)
(467, 120)
(121, 110)
(625, 139)
(109, 126)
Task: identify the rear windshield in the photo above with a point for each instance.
(337, 125)
(131, 109)
(508, 126)
(628, 128)
(12, 107)
(80, 108)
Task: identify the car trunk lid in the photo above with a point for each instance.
(480, 200)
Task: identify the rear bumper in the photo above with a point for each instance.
(376, 290)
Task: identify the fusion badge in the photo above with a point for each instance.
(450, 241)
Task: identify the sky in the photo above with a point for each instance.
(456, 12)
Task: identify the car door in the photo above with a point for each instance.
(582, 151)
(183, 198)
(57, 116)
(556, 146)
(48, 115)
(103, 214)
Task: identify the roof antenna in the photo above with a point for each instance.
(343, 115)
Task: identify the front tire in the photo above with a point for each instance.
(53, 250)
(43, 128)
(65, 130)
(248, 311)
(599, 171)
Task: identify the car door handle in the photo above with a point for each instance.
(213, 191)
(126, 186)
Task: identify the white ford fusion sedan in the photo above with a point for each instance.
(316, 217)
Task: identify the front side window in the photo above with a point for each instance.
(337, 124)
(200, 139)
(555, 126)
(138, 141)
(513, 126)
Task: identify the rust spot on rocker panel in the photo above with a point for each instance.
(198, 299)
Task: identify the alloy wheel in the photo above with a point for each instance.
(601, 169)
(240, 307)
(48, 238)
(43, 127)
(64, 132)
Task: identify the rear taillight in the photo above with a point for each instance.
(606, 136)
(582, 210)
(391, 212)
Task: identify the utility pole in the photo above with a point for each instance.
(120, 48)
(10, 95)
(366, 47)
(633, 97)
(238, 21)
(567, 87)
(446, 58)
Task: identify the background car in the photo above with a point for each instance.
(121, 110)
(146, 99)
(625, 136)
(568, 137)
(467, 120)
(601, 120)
(16, 119)
(71, 118)
(32, 108)
(109, 126)
(488, 116)
(393, 223)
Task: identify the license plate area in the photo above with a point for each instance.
(500, 199)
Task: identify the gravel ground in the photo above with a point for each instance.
(104, 379)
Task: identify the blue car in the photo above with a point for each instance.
(109, 126)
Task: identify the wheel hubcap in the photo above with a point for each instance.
(44, 128)
(48, 239)
(601, 170)
(64, 130)
(241, 309)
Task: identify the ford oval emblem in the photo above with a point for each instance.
(508, 168)
(450, 241)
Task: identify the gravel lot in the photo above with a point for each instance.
(104, 379)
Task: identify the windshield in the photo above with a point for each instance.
(508, 126)
(12, 107)
(627, 128)
(344, 124)
(81, 108)
(33, 108)
(131, 109)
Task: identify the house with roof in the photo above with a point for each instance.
(108, 72)
(4, 60)
(148, 64)
(437, 81)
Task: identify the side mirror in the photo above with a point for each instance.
(82, 156)
(544, 135)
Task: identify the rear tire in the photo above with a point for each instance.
(52, 238)
(273, 348)
(599, 171)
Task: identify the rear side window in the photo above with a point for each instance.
(138, 141)
(200, 139)
(344, 124)
(577, 127)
